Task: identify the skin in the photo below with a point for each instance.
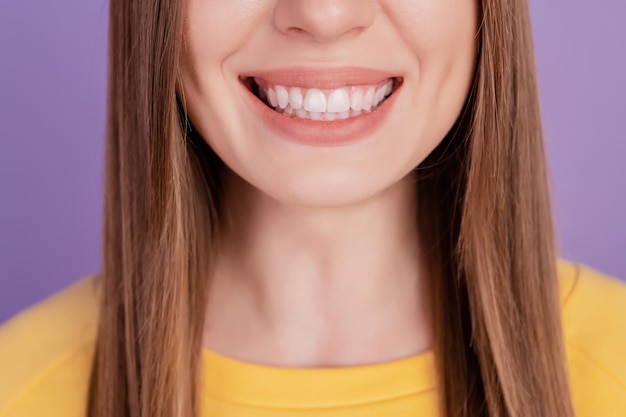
(320, 264)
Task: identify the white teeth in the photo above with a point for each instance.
(378, 96)
(343, 115)
(283, 96)
(381, 93)
(295, 97)
(388, 88)
(271, 95)
(338, 101)
(328, 105)
(313, 115)
(356, 101)
(315, 101)
(301, 113)
(368, 99)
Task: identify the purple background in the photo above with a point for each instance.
(52, 108)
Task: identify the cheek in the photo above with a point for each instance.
(209, 38)
(441, 37)
(209, 43)
(429, 25)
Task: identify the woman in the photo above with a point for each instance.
(330, 208)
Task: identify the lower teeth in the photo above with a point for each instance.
(303, 114)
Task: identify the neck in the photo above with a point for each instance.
(318, 286)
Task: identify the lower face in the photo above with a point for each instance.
(326, 103)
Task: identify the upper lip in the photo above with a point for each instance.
(323, 78)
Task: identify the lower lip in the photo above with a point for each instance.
(322, 133)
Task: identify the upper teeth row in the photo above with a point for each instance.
(321, 101)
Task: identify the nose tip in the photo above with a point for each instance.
(323, 20)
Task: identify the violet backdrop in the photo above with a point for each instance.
(52, 110)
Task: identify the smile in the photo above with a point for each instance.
(322, 104)
(322, 107)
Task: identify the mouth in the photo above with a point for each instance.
(319, 104)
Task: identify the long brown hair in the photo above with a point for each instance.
(484, 209)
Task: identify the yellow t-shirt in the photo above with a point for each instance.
(46, 351)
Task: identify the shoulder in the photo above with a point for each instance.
(594, 326)
(46, 352)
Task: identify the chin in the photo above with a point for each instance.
(328, 190)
